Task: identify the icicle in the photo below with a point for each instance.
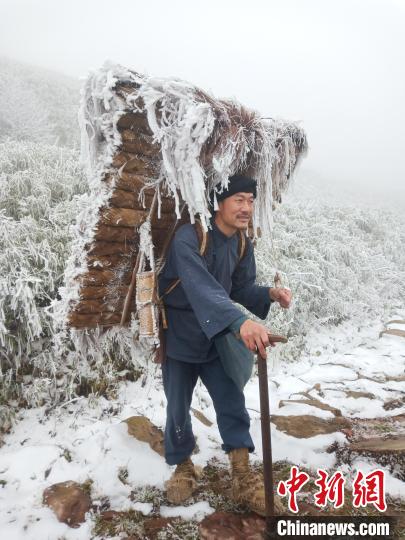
(216, 207)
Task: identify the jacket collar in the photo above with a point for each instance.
(219, 234)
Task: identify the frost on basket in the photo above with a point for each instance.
(163, 141)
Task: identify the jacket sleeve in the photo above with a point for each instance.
(244, 290)
(210, 302)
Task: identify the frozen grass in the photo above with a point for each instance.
(38, 186)
(342, 264)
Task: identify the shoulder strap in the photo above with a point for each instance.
(202, 236)
(241, 245)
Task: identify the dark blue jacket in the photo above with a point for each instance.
(201, 305)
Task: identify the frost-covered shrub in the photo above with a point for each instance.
(38, 185)
(340, 262)
(42, 188)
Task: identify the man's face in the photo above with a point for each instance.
(236, 210)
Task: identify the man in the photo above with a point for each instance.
(198, 309)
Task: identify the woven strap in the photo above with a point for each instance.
(203, 243)
(242, 245)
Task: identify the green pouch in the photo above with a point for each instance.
(236, 358)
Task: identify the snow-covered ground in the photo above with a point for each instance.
(91, 433)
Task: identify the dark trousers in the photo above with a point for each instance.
(179, 380)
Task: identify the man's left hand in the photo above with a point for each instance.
(281, 295)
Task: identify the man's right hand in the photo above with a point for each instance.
(255, 337)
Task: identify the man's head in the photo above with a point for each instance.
(235, 204)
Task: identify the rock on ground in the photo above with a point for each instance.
(305, 426)
(226, 526)
(142, 429)
(69, 501)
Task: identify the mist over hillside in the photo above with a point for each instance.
(38, 105)
(311, 187)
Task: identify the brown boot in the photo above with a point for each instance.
(247, 485)
(182, 483)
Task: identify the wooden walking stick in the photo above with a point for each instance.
(266, 443)
(266, 432)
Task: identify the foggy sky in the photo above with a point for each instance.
(335, 66)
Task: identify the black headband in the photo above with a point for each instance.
(238, 183)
